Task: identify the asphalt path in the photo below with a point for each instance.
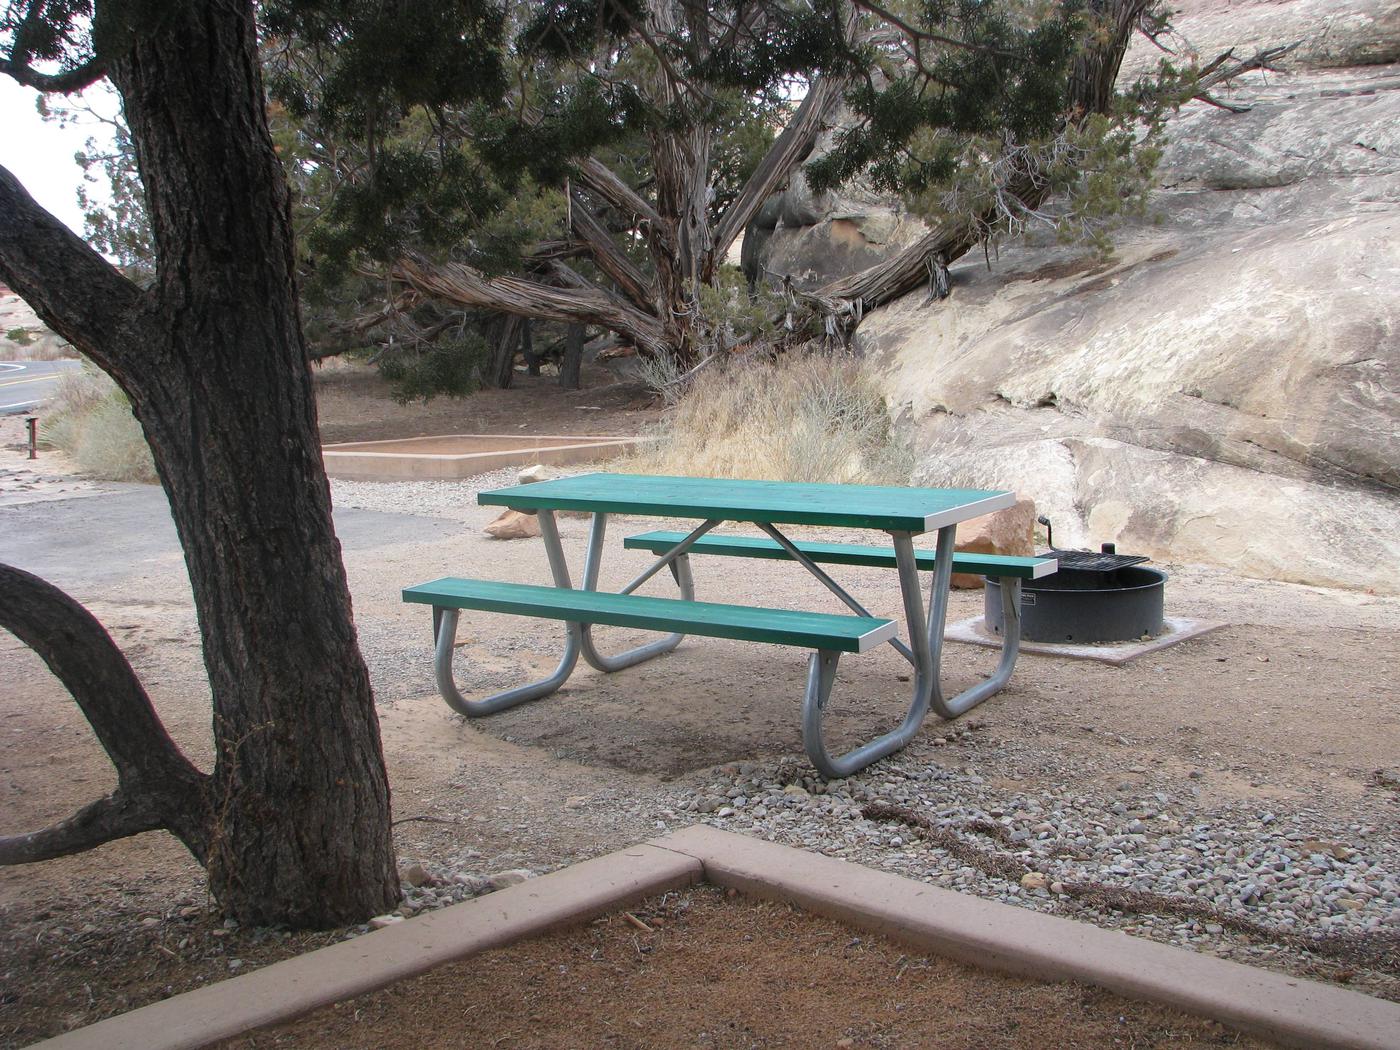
(25, 385)
(126, 532)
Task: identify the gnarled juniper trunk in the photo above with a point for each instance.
(301, 801)
(214, 362)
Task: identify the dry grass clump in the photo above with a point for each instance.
(803, 418)
(23, 336)
(91, 420)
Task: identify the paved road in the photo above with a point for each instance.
(24, 385)
(126, 531)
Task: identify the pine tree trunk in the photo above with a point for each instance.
(527, 347)
(503, 336)
(572, 363)
(301, 831)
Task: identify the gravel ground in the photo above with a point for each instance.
(1235, 880)
(441, 499)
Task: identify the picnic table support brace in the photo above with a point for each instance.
(924, 652)
(826, 581)
(940, 591)
(445, 623)
(821, 673)
(675, 559)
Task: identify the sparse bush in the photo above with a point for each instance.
(803, 418)
(19, 336)
(661, 374)
(91, 420)
(450, 366)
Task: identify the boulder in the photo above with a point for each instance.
(818, 237)
(1009, 532)
(513, 525)
(538, 472)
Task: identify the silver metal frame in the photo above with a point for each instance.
(924, 653)
(924, 650)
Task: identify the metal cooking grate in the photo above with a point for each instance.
(1092, 561)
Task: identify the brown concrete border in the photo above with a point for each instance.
(985, 933)
(1290, 1010)
(293, 987)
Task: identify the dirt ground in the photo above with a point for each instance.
(354, 407)
(696, 970)
(1292, 706)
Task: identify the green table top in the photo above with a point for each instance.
(882, 507)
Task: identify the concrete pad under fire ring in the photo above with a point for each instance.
(1174, 629)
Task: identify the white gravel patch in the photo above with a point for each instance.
(434, 499)
(1294, 873)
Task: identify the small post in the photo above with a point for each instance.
(32, 422)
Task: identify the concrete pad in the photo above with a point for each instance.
(1177, 629)
(290, 988)
(450, 456)
(985, 933)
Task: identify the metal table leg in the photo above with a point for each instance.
(924, 652)
(821, 671)
(1010, 643)
(675, 559)
(445, 625)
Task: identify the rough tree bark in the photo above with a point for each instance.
(503, 336)
(297, 827)
(571, 365)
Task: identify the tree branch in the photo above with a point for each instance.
(117, 816)
(608, 257)
(917, 35)
(65, 83)
(788, 150)
(1218, 72)
(157, 785)
(1091, 91)
(601, 179)
(74, 290)
(456, 283)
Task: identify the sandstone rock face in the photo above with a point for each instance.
(1009, 532)
(1332, 33)
(1226, 389)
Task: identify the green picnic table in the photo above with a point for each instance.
(902, 513)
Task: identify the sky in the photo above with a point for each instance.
(40, 154)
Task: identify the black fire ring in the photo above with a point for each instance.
(1085, 604)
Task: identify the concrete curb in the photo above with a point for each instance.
(979, 932)
(984, 933)
(290, 988)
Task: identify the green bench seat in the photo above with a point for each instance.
(842, 554)
(823, 631)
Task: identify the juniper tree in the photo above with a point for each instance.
(293, 821)
(650, 218)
